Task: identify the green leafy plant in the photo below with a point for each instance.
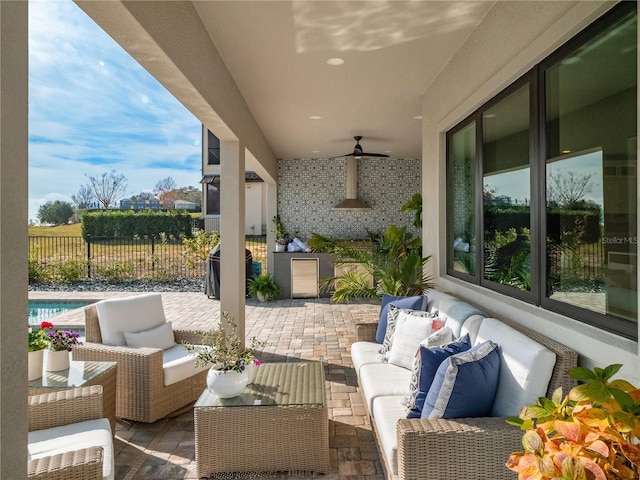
(264, 287)
(591, 434)
(70, 270)
(38, 339)
(196, 249)
(280, 230)
(222, 348)
(414, 205)
(117, 271)
(394, 261)
(37, 272)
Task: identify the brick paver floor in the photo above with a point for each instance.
(295, 330)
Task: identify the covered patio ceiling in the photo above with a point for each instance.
(276, 53)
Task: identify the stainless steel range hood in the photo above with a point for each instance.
(351, 203)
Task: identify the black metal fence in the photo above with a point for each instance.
(123, 258)
(582, 266)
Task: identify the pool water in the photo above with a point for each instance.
(40, 310)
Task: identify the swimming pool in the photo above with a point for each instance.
(40, 310)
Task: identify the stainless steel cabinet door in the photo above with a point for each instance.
(304, 278)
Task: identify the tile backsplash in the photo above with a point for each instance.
(308, 189)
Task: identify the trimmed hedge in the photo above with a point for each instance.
(136, 224)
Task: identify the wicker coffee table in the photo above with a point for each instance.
(279, 423)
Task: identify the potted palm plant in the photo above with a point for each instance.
(263, 287)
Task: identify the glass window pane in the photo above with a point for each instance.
(591, 143)
(506, 191)
(213, 149)
(461, 192)
(213, 199)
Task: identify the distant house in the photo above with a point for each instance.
(255, 191)
(140, 203)
(184, 205)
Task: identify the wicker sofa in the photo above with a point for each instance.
(453, 448)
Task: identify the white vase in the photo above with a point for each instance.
(56, 360)
(35, 360)
(227, 384)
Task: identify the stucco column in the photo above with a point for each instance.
(232, 243)
(14, 91)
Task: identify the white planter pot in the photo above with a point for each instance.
(227, 384)
(35, 361)
(280, 248)
(55, 361)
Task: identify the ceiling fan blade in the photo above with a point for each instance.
(381, 155)
(358, 153)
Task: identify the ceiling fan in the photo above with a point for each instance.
(359, 153)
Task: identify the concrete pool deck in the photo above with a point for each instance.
(295, 330)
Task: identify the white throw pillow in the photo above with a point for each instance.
(157, 337)
(119, 315)
(411, 329)
(439, 337)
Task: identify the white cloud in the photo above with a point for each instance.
(93, 109)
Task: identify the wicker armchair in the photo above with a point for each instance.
(141, 393)
(67, 408)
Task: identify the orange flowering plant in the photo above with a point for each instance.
(591, 434)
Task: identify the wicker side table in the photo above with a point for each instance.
(83, 374)
(279, 423)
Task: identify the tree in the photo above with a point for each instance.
(108, 187)
(84, 197)
(565, 189)
(165, 191)
(56, 213)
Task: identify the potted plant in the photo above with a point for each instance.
(38, 342)
(281, 234)
(263, 287)
(60, 345)
(592, 433)
(229, 360)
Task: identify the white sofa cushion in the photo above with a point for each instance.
(387, 411)
(383, 379)
(75, 436)
(178, 364)
(156, 337)
(525, 367)
(363, 353)
(128, 314)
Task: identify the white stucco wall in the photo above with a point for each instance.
(513, 37)
(253, 211)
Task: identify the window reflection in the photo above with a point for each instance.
(461, 198)
(591, 174)
(506, 191)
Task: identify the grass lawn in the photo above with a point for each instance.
(73, 230)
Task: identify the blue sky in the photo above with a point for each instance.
(93, 109)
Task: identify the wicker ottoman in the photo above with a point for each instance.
(279, 423)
